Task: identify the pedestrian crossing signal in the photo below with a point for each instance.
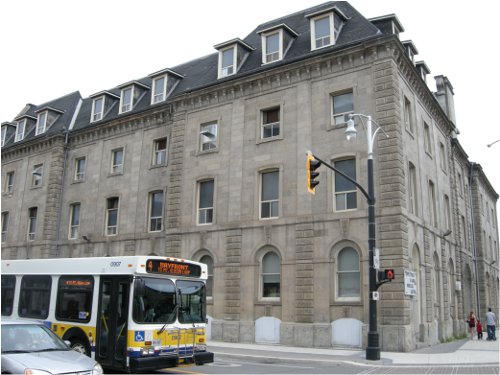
(386, 275)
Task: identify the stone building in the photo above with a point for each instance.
(206, 160)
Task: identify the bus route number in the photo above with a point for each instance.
(115, 264)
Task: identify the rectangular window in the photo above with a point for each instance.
(4, 135)
(432, 204)
(156, 211)
(41, 123)
(206, 202)
(227, 65)
(74, 221)
(36, 175)
(117, 161)
(80, 169)
(342, 105)
(270, 123)
(322, 31)
(126, 99)
(345, 190)
(5, 225)
(412, 189)
(427, 139)
(112, 216)
(9, 182)
(447, 215)
(208, 136)
(159, 89)
(160, 152)
(21, 126)
(272, 46)
(34, 298)
(98, 108)
(269, 198)
(8, 289)
(32, 214)
(74, 298)
(442, 156)
(408, 116)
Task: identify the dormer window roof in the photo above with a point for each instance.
(232, 55)
(101, 103)
(325, 27)
(5, 132)
(276, 41)
(422, 69)
(22, 125)
(164, 82)
(388, 24)
(410, 49)
(131, 92)
(46, 116)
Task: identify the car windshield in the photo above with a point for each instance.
(27, 338)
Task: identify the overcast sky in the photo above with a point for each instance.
(51, 48)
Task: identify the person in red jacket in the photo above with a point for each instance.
(479, 329)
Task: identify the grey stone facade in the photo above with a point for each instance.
(308, 233)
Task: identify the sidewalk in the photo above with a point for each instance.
(460, 352)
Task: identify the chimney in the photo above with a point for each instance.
(444, 95)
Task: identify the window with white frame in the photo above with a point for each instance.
(41, 123)
(412, 189)
(156, 211)
(126, 99)
(36, 175)
(227, 62)
(206, 202)
(5, 225)
(4, 135)
(348, 275)
(9, 182)
(117, 161)
(342, 105)
(98, 108)
(322, 33)
(160, 152)
(74, 220)
(20, 129)
(32, 214)
(272, 45)
(270, 276)
(432, 204)
(427, 139)
(270, 123)
(112, 216)
(408, 116)
(208, 136)
(269, 197)
(80, 169)
(159, 92)
(207, 259)
(345, 191)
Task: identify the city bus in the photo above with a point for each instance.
(130, 313)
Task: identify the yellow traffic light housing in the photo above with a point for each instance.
(311, 165)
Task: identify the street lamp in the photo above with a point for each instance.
(373, 347)
(492, 143)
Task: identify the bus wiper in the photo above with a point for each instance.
(176, 307)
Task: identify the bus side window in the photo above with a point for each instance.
(74, 298)
(34, 298)
(8, 288)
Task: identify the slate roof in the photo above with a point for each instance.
(203, 72)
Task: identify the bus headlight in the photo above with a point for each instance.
(148, 351)
(97, 370)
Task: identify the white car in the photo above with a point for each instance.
(30, 348)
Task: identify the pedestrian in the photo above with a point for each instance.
(471, 321)
(491, 322)
(479, 329)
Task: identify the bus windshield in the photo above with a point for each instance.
(154, 301)
(192, 297)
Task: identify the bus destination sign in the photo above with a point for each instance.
(173, 268)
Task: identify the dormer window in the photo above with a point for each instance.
(98, 109)
(422, 69)
(410, 49)
(4, 135)
(20, 129)
(131, 93)
(164, 82)
(41, 123)
(101, 104)
(275, 42)
(325, 27)
(159, 89)
(126, 99)
(232, 54)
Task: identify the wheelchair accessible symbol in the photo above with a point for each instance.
(139, 336)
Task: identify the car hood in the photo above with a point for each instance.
(56, 362)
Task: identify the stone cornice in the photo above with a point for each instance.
(32, 147)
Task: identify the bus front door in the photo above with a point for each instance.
(111, 340)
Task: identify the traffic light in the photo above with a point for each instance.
(386, 275)
(311, 165)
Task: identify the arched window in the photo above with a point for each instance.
(270, 276)
(348, 282)
(207, 259)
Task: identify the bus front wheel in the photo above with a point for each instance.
(80, 346)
